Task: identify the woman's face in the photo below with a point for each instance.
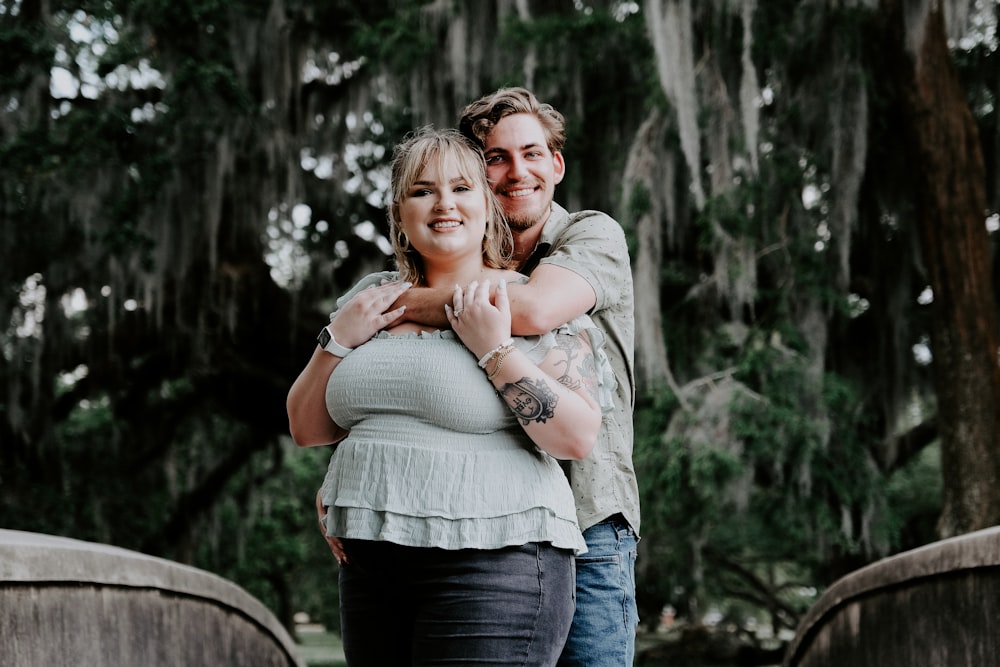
(443, 214)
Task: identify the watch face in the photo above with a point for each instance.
(324, 337)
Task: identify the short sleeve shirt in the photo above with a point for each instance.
(592, 244)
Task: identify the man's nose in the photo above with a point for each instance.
(518, 168)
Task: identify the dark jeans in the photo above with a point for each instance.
(403, 606)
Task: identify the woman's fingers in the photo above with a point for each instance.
(368, 312)
(501, 300)
(458, 301)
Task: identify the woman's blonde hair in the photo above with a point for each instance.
(428, 146)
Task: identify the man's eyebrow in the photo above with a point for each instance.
(525, 147)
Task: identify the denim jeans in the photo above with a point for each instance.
(603, 631)
(403, 606)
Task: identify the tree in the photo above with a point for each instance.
(950, 193)
(180, 212)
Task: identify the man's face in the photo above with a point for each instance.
(522, 170)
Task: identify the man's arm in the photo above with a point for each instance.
(553, 296)
(425, 305)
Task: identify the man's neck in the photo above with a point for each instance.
(525, 240)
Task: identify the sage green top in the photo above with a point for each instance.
(435, 458)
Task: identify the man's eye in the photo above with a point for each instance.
(493, 159)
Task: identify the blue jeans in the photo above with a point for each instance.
(603, 631)
(410, 606)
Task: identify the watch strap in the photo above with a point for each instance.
(330, 344)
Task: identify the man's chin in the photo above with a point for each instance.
(526, 219)
(519, 223)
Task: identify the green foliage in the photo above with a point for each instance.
(780, 495)
(396, 41)
(913, 497)
(27, 50)
(170, 444)
(638, 205)
(266, 538)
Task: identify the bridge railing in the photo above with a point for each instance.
(68, 602)
(936, 606)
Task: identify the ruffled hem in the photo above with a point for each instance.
(533, 525)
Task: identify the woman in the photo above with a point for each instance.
(456, 520)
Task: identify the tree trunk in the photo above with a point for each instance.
(951, 203)
(648, 174)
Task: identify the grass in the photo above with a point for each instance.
(320, 649)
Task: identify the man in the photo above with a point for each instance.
(577, 263)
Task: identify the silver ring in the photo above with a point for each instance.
(458, 312)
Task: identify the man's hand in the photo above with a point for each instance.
(336, 546)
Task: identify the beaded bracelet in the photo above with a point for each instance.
(500, 356)
(486, 357)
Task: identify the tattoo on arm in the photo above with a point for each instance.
(571, 347)
(531, 400)
(588, 371)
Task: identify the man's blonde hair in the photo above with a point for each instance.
(480, 117)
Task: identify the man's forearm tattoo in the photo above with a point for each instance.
(572, 347)
(531, 400)
(588, 371)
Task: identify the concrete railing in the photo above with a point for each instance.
(67, 602)
(936, 606)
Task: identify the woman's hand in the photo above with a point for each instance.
(366, 314)
(480, 323)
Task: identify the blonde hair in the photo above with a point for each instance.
(410, 158)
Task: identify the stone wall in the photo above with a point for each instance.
(67, 602)
(937, 606)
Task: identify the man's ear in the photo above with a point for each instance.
(559, 166)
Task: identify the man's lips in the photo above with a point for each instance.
(519, 192)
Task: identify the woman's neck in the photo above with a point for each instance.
(449, 276)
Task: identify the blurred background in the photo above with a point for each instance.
(809, 187)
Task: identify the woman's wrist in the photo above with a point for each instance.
(494, 361)
(486, 357)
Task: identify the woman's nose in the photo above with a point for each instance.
(444, 203)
